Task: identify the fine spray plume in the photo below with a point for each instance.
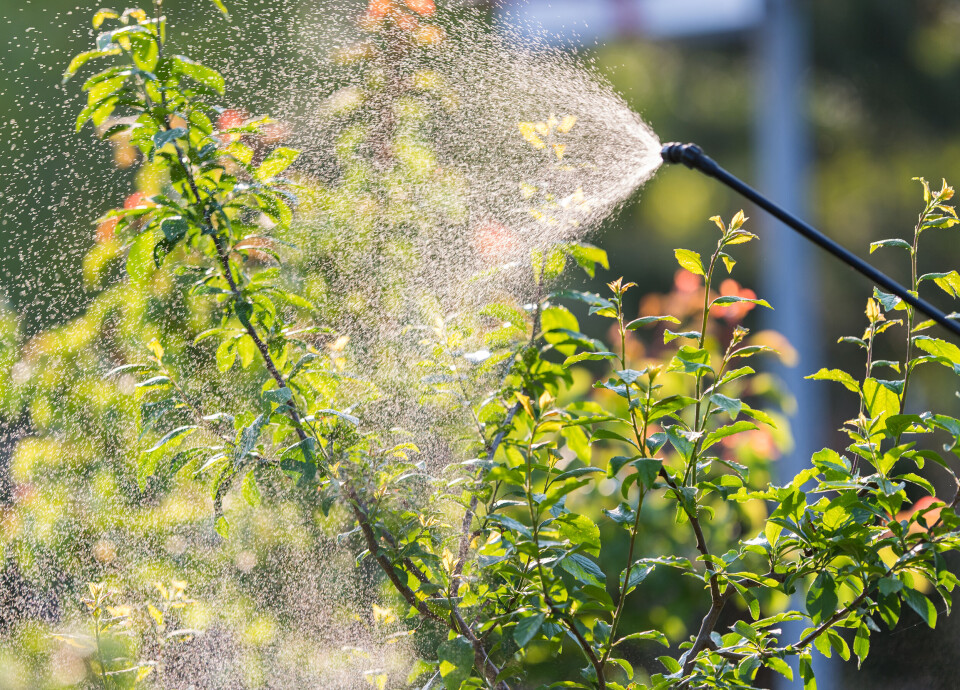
(538, 150)
(694, 158)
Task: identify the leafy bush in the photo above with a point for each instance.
(235, 367)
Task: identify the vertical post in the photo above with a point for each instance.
(788, 269)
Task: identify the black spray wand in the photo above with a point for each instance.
(694, 158)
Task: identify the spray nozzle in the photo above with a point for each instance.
(690, 155)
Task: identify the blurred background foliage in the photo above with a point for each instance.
(882, 104)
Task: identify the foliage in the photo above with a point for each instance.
(243, 385)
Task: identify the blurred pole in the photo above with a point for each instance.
(788, 274)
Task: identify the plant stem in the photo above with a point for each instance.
(915, 286)
(641, 441)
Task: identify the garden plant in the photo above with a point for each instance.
(505, 485)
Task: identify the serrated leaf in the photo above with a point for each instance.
(527, 629)
(200, 73)
(140, 262)
(456, 661)
(728, 262)
(690, 260)
(647, 320)
(822, 598)
(861, 644)
(249, 490)
(588, 356)
(948, 282)
(734, 299)
(880, 398)
(175, 435)
(837, 375)
(654, 635)
(279, 160)
(895, 242)
(922, 605)
(725, 431)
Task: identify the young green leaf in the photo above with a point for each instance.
(689, 260)
(837, 375)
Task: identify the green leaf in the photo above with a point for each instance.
(728, 261)
(837, 375)
(939, 348)
(689, 260)
(140, 263)
(922, 605)
(162, 138)
(100, 17)
(889, 585)
(896, 242)
(527, 629)
(669, 336)
(173, 230)
(638, 573)
(226, 354)
(279, 160)
(668, 406)
(170, 437)
(690, 360)
(593, 299)
(349, 418)
(648, 469)
(724, 431)
(623, 514)
(221, 6)
(587, 257)
(880, 399)
(681, 439)
(456, 661)
(200, 73)
(731, 406)
(278, 396)
(647, 320)
(654, 635)
(83, 58)
(822, 597)
(248, 438)
(733, 299)
(948, 282)
(583, 569)
(591, 356)
(249, 490)
(671, 664)
(580, 530)
(247, 350)
(861, 644)
(779, 665)
(806, 673)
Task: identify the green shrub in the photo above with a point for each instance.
(227, 363)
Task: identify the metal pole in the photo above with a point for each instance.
(788, 268)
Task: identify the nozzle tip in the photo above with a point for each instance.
(675, 152)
